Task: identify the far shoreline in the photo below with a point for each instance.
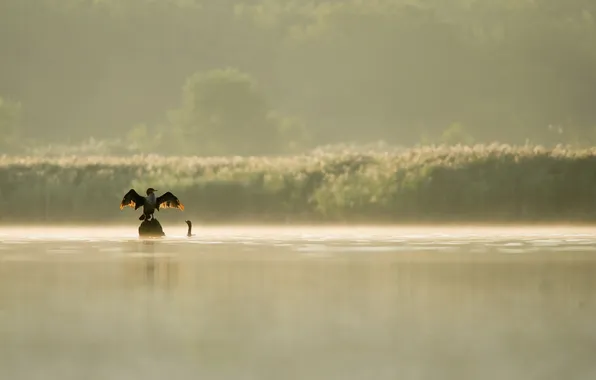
(293, 225)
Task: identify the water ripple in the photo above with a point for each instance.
(103, 242)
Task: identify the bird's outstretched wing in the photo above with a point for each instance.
(169, 200)
(132, 199)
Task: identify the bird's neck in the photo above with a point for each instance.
(151, 197)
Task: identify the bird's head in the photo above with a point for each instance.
(188, 222)
(151, 190)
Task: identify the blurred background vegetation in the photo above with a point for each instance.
(481, 183)
(350, 92)
(245, 77)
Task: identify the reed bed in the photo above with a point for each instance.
(482, 183)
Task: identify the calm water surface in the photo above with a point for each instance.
(298, 303)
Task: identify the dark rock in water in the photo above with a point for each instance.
(151, 228)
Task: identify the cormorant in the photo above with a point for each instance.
(189, 233)
(150, 203)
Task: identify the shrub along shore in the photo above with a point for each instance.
(483, 183)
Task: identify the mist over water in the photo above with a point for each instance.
(298, 303)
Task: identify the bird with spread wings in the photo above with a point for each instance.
(150, 203)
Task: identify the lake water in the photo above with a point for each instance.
(298, 303)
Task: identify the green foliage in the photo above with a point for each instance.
(293, 134)
(141, 139)
(349, 70)
(224, 112)
(87, 147)
(456, 134)
(10, 122)
(478, 183)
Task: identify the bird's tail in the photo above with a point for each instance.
(142, 217)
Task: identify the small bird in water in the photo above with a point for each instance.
(189, 233)
(150, 203)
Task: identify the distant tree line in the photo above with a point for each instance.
(263, 76)
(484, 183)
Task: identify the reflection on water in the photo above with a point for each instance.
(298, 304)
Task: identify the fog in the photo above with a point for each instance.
(302, 303)
(261, 77)
(302, 113)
